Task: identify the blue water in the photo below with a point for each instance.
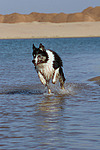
(32, 119)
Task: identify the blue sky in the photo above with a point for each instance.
(45, 6)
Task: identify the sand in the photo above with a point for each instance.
(96, 80)
(49, 30)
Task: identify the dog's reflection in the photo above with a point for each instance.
(49, 112)
(49, 120)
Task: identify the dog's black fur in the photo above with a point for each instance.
(48, 65)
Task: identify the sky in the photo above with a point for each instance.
(45, 6)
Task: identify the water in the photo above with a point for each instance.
(32, 119)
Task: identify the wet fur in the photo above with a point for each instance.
(48, 65)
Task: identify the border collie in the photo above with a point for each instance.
(48, 66)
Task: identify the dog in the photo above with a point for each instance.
(48, 65)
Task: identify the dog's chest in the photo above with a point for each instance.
(47, 69)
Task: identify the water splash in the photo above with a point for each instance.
(38, 89)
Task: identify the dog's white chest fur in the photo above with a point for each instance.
(46, 69)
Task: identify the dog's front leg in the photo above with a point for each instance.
(49, 90)
(44, 82)
(42, 79)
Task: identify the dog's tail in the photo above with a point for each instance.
(62, 78)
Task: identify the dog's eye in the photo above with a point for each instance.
(34, 55)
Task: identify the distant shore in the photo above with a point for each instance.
(49, 30)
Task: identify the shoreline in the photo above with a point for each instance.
(49, 30)
(8, 38)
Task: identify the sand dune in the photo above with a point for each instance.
(94, 13)
(88, 15)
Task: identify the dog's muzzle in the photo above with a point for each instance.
(35, 62)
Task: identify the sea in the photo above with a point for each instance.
(32, 119)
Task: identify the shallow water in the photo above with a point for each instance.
(66, 119)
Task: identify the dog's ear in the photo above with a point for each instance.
(34, 47)
(41, 47)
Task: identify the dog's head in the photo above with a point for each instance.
(39, 55)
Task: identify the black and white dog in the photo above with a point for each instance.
(48, 66)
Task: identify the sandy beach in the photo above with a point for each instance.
(49, 30)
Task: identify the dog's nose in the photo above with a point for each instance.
(33, 61)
